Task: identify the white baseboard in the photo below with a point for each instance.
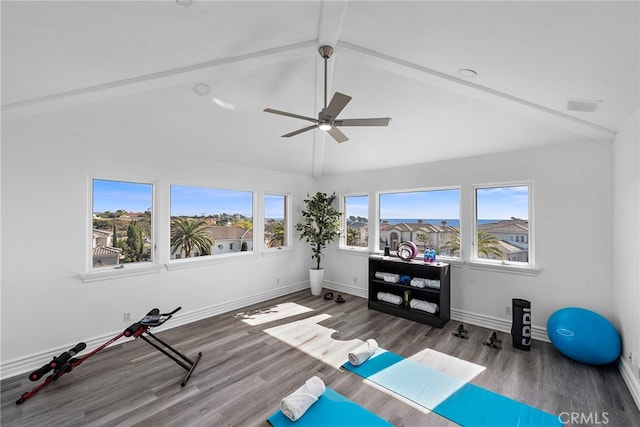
(347, 289)
(493, 323)
(31, 362)
(630, 379)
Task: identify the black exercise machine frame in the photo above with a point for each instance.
(65, 362)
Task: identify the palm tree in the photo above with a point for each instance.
(488, 244)
(188, 234)
(274, 234)
(453, 243)
(424, 240)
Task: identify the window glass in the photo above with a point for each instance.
(429, 218)
(209, 221)
(275, 221)
(122, 223)
(356, 223)
(502, 223)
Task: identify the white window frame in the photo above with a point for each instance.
(176, 263)
(511, 265)
(343, 225)
(101, 273)
(377, 247)
(287, 220)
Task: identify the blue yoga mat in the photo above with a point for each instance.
(331, 409)
(447, 396)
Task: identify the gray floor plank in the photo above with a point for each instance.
(244, 372)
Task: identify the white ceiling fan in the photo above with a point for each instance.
(328, 116)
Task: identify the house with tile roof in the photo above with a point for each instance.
(103, 253)
(514, 231)
(421, 233)
(227, 239)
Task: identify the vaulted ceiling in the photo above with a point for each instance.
(127, 73)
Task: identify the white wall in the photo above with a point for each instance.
(626, 265)
(572, 187)
(45, 192)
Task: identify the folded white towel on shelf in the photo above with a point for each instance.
(435, 284)
(387, 297)
(296, 404)
(427, 306)
(387, 277)
(363, 352)
(418, 282)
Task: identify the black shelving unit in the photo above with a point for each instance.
(414, 269)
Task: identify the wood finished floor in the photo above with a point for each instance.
(244, 372)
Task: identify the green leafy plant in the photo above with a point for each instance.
(188, 234)
(320, 225)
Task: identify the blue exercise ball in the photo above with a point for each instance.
(584, 335)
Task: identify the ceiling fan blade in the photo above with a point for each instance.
(337, 104)
(337, 134)
(295, 116)
(296, 132)
(382, 121)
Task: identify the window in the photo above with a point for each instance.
(355, 221)
(122, 223)
(275, 221)
(429, 218)
(502, 224)
(208, 221)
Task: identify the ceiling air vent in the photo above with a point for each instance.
(583, 105)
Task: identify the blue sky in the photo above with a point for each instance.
(274, 206)
(128, 196)
(442, 204)
(492, 203)
(502, 202)
(209, 201)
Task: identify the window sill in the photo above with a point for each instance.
(285, 250)
(355, 251)
(505, 268)
(117, 273)
(182, 264)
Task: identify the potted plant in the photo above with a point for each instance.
(320, 226)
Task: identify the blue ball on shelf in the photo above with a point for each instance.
(584, 335)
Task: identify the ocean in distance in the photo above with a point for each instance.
(452, 222)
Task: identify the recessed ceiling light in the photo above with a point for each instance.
(467, 72)
(201, 89)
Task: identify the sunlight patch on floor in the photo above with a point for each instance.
(315, 340)
(425, 379)
(275, 312)
(447, 364)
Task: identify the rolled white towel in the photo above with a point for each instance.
(391, 298)
(435, 284)
(427, 306)
(418, 282)
(296, 404)
(363, 352)
(387, 277)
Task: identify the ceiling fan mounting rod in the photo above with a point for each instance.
(325, 52)
(327, 118)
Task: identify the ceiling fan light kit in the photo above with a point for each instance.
(328, 117)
